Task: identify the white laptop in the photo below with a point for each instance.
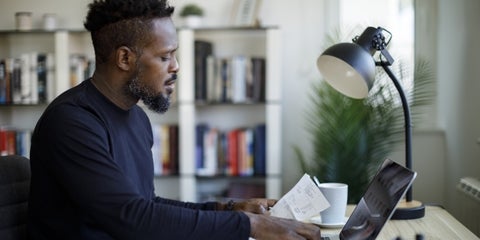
(378, 203)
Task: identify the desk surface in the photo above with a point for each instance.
(437, 224)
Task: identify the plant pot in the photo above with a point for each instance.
(192, 21)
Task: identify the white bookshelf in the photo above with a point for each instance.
(263, 42)
(60, 43)
(186, 113)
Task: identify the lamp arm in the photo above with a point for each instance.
(408, 126)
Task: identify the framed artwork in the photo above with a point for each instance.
(245, 12)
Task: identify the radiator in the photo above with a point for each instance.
(470, 203)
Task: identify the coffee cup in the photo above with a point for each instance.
(337, 195)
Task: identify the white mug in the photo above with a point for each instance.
(337, 195)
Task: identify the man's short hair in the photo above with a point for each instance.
(116, 23)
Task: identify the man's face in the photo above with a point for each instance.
(154, 80)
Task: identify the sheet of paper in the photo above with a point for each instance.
(302, 202)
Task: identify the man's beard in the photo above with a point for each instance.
(156, 102)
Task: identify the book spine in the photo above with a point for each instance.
(3, 82)
(199, 139)
(156, 149)
(173, 145)
(259, 150)
(41, 73)
(233, 160)
(16, 81)
(238, 79)
(33, 77)
(50, 84)
(258, 79)
(202, 49)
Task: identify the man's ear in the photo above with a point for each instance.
(125, 58)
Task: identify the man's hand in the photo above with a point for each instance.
(254, 205)
(267, 227)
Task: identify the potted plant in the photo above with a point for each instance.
(351, 137)
(192, 15)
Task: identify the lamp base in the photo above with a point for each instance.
(409, 210)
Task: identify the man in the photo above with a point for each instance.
(91, 160)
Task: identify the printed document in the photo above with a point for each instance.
(302, 202)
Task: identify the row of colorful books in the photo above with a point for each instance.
(27, 78)
(30, 78)
(237, 79)
(237, 152)
(14, 141)
(165, 149)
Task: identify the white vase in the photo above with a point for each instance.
(193, 21)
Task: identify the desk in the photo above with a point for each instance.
(437, 224)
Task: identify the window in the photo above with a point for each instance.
(396, 16)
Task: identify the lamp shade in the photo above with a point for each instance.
(349, 68)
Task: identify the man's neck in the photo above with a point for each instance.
(116, 94)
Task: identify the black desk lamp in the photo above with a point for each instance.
(350, 69)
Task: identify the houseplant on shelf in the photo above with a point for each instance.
(351, 137)
(192, 15)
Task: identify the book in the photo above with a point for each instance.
(156, 149)
(213, 90)
(9, 62)
(22, 142)
(202, 49)
(7, 141)
(225, 80)
(78, 66)
(33, 78)
(233, 155)
(200, 130)
(238, 78)
(210, 158)
(16, 81)
(258, 79)
(259, 149)
(41, 73)
(3, 82)
(245, 143)
(25, 76)
(222, 153)
(165, 149)
(50, 82)
(173, 145)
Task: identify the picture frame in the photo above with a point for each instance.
(245, 12)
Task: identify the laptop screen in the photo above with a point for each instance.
(378, 203)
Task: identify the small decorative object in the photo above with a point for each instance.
(245, 12)
(192, 15)
(23, 21)
(49, 21)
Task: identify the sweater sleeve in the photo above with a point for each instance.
(199, 206)
(79, 157)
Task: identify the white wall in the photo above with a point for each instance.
(70, 13)
(444, 150)
(459, 85)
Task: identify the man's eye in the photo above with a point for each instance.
(165, 58)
